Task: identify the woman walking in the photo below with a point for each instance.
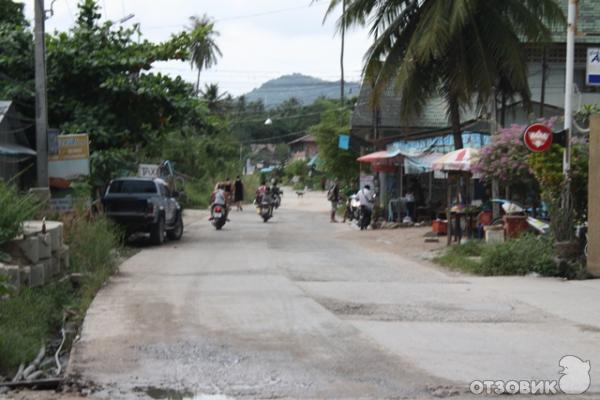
(238, 193)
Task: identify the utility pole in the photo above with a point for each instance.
(342, 51)
(41, 106)
(572, 26)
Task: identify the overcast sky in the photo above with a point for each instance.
(260, 39)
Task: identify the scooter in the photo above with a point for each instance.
(364, 218)
(218, 215)
(264, 207)
(353, 208)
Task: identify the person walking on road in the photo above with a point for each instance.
(238, 193)
(333, 195)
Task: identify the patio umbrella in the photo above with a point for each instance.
(458, 160)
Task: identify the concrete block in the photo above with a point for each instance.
(55, 265)
(38, 275)
(30, 246)
(65, 259)
(26, 276)
(494, 235)
(45, 245)
(13, 273)
(53, 228)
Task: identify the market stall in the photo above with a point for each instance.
(459, 165)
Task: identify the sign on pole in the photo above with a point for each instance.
(344, 142)
(72, 159)
(593, 67)
(538, 138)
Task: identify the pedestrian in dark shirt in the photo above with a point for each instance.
(238, 193)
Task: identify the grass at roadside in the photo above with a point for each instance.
(34, 316)
(527, 254)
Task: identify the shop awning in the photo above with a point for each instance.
(379, 156)
(458, 160)
(382, 161)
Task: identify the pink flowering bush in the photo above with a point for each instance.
(506, 158)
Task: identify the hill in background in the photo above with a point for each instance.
(304, 88)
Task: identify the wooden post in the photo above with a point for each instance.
(593, 258)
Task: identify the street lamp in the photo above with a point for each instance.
(126, 18)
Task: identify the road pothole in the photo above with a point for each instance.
(173, 394)
(434, 312)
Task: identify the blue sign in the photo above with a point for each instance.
(593, 67)
(344, 142)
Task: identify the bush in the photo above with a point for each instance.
(27, 320)
(16, 208)
(515, 257)
(519, 257)
(34, 315)
(296, 168)
(461, 256)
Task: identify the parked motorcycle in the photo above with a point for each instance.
(352, 208)
(218, 216)
(364, 218)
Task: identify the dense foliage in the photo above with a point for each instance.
(336, 162)
(505, 159)
(16, 208)
(466, 52)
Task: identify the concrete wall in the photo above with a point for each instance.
(593, 259)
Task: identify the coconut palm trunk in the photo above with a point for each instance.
(198, 82)
(454, 114)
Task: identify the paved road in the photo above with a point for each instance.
(288, 309)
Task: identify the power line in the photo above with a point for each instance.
(236, 17)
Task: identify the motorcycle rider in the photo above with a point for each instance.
(367, 203)
(219, 198)
(263, 193)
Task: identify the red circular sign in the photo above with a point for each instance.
(538, 137)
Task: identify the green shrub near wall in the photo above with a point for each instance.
(527, 254)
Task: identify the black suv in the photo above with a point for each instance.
(144, 205)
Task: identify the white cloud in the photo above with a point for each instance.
(260, 39)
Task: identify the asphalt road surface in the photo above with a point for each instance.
(293, 309)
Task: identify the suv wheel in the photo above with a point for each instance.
(177, 231)
(157, 233)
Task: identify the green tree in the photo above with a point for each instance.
(213, 98)
(204, 50)
(337, 162)
(462, 50)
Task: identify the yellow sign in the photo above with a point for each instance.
(72, 147)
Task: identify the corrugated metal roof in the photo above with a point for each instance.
(4, 106)
(588, 22)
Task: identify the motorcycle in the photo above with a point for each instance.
(364, 218)
(276, 194)
(218, 215)
(264, 208)
(352, 208)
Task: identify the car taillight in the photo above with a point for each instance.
(150, 208)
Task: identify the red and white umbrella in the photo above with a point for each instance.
(458, 160)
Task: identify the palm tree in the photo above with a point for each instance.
(204, 51)
(213, 97)
(466, 51)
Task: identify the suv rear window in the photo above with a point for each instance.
(133, 186)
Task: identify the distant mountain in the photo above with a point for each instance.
(305, 88)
